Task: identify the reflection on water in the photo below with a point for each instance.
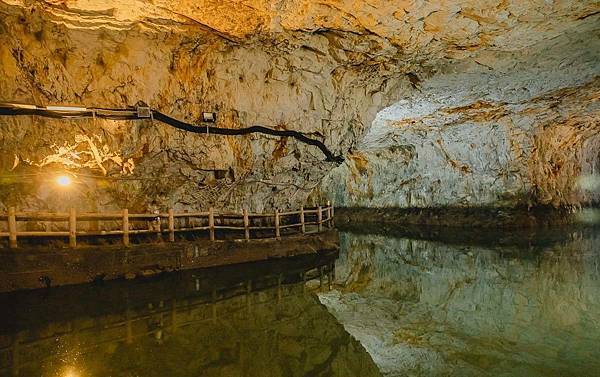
(530, 307)
(434, 304)
(252, 320)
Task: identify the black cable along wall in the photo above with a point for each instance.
(13, 109)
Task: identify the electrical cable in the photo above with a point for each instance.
(144, 112)
(97, 177)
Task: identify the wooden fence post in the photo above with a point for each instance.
(248, 294)
(128, 327)
(277, 231)
(320, 276)
(302, 224)
(211, 223)
(328, 214)
(126, 227)
(72, 228)
(158, 222)
(214, 304)
(332, 268)
(332, 216)
(279, 281)
(188, 222)
(303, 281)
(12, 227)
(320, 218)
(171, 225)
(246, 225)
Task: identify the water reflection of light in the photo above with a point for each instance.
(589, 182)
(589, 216)
(71, 372)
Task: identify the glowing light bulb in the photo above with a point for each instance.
(63, 180)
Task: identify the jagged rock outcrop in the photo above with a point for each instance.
(497, 129)
(323, 68)
(53, 54)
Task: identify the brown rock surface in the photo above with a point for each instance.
(325, 68)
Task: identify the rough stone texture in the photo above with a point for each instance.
(500, 129)
(325, 68)
(425, 308)
(305, 83)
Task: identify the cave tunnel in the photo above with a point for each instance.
(299, 188)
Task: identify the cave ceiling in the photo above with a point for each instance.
(431, 103)
(417, 30)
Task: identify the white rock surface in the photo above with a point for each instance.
(497, 129)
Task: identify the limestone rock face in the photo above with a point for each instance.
(56, 54)
(327, 69)
(498, 129)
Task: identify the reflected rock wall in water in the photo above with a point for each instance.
(174, 326)
(426, 308)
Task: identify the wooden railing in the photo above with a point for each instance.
(122, 223)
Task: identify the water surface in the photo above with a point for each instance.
(248, 320)
(435, 303)
(498, 304)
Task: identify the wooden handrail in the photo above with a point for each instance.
(244, 222)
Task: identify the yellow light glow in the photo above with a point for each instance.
(71, 372)
(63, 180)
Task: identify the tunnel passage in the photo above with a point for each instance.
(522, 131)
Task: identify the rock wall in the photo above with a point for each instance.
(323, 68)
(501, 129)
(306, 82)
